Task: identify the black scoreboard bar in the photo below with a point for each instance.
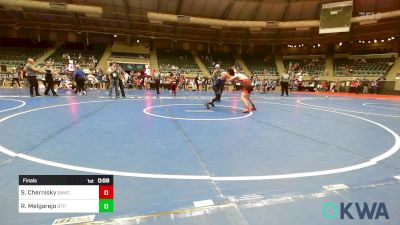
(66, 179)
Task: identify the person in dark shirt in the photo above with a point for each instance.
(285, 78)
(219, 84)
(157, 81)
(49, 79)
(196, 81)
(365, 85)
(114, 73)
(174, 84)
(79, 76)
(205, 83)
(121, 79)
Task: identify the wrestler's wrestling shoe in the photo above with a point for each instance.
(207, 106)
(247, 110)
(253, 108)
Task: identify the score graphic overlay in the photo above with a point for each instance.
(66, 193)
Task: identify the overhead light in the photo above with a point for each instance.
(319, 45)
(363, 42)
(389, 39)
(392, 38)
(115, 35)
(137, 41)
(359, 41)
(340, 44)
(375, 41)
(382, 40)
(369, 42)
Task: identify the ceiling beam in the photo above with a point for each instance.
(224, 16)
(127, 12)
(228, 9)
(22, 19)
(254, 17)
(284, 14)
(257, 11)
(178, 11)
(179, 7)
(77, 21)
(164, 35)
(158, 5)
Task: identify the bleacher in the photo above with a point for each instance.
(311, 66)
(129, 55)
(225, 60)
(181, 61)
(14, 52)
(259, 65)
(372, 67)
(77, 52)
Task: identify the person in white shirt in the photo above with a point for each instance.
(15, 78)
(247, 89)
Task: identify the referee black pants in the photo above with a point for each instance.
(121, 86)
(157, 83)
(33, 83)
(285, 88)
(80, 84)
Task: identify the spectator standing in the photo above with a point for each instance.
(206, 80)
(365, 85)
(114, 74)
(15, 77)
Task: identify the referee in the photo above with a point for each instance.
(31, 75)
(285, 83)
(157, 81)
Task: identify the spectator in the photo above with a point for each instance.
(365, 85)
(114, 73)
(15, 77)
